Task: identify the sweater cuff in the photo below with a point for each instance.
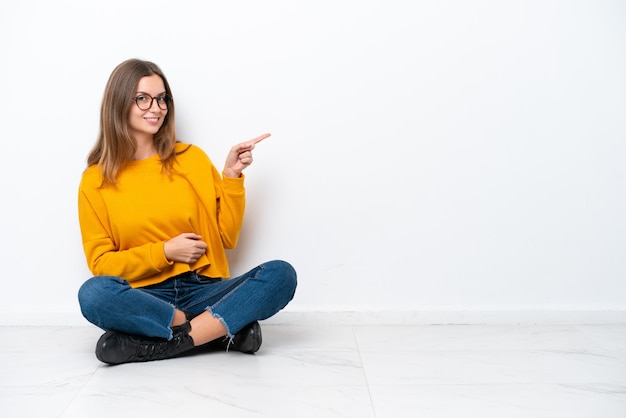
(233, 184)
(157, 254)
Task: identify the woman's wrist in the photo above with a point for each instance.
(231, 173)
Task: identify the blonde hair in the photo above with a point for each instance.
(115, 145)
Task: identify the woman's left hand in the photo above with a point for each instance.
(240, 157)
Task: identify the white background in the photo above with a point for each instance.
(425, 156)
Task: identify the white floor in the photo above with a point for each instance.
(384, 372)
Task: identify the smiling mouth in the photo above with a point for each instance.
(152, 119)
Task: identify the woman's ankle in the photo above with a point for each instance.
(179, 318)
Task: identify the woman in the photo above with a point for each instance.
(156, 218)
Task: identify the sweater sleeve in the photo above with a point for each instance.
(224, 198)
(231, 202)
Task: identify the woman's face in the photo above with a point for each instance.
(146, 123)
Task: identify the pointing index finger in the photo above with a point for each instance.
(258, 139)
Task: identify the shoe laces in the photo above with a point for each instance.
(149, 350)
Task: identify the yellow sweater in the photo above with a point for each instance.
(124, 227)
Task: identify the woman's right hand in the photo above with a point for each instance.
(185, 248)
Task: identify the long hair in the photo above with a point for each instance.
(115, 145)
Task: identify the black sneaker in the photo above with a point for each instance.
(116, 348)
(248, 340)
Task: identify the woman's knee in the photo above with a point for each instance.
(283, 275)
(96, 290)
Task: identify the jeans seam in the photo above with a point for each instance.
(231, 292)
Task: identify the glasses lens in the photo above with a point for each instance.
(143, 102)
(162, 102)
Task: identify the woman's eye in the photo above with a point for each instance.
(141, 98)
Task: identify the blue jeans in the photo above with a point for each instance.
(112, 304)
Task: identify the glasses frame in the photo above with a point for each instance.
(167, 100)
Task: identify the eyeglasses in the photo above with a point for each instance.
(144, 101)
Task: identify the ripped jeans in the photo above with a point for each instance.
(112, 304)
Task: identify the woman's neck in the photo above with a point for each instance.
(145, 148)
